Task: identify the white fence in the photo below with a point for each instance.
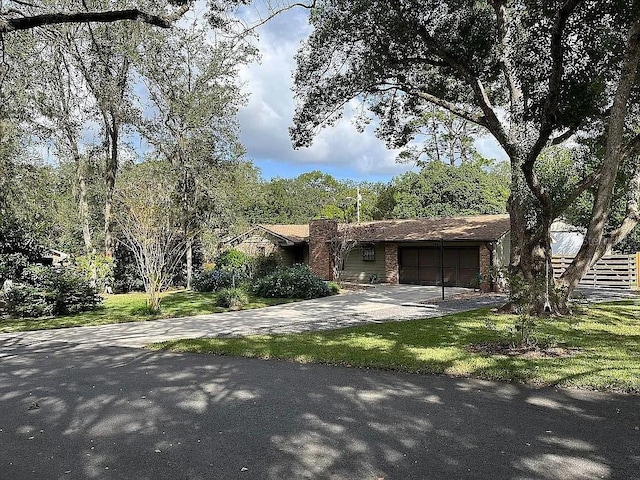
(611, 271)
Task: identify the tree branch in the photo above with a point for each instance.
(491, 120)
(587, 182)
(26, 23)
(455, 109)
(632, 217)
(276, 12)
(563, 137)
(549, 118)
(550, 108)
(515, 91)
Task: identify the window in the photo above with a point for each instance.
(368, 254)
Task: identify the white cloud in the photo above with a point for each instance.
(268, 115)
(265, 120)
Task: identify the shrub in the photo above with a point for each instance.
(265, 265)
(23, 300)
(45, 291)
(297, 281)
(232, 298)
(125, 272)
(211, 280)
(334, 287)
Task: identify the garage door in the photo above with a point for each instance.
(421, 265)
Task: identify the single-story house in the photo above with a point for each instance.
(408, 251)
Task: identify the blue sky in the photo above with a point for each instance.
(341, 150)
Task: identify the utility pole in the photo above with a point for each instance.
(358, 198)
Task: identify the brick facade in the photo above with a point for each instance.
(485, 268)
(320, 258)
(391, 263)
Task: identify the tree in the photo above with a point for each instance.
(192, 84)
(443, 190)
(61, 112)
(149, 225)
(437, 135)
(531, 74)
(340, 247)
(103, 56)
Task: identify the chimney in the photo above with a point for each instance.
(320, 258)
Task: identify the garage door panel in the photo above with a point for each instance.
(429, 257)
(422, 265)
(409, 275)
(408, 258)
(469, 258)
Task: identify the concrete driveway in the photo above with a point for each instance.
(382, 303)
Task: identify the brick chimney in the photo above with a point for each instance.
(320, 258)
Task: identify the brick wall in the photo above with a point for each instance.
(391, 263)
(320, 258)
(485, 268)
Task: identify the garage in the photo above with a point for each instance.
(421, 266)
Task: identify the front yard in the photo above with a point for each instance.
(131, 307)
(598, 348)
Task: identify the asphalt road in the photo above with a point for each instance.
(71, 411)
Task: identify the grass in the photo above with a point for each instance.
(131, 307)
(606, 336)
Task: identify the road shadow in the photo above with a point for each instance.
(70, 411)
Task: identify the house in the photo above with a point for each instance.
(408, 251)
(566, 239)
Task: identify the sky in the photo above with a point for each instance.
(340, 150)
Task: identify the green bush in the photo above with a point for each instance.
(265, 265)
(297, 281)
(23, 300)
(232, 298)
(211, 280)
(334, 287)
(233, 260)
(125, 272)
(43, 291)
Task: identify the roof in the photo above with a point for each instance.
(291, 233)
(472, 228)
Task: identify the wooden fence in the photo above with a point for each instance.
(611, 271)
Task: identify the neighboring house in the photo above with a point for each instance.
(566, 239)
(392, 251)
(290, 242)
(53, 257)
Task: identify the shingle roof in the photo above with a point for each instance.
(293, 233)
(472, 228)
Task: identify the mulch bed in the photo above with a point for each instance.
(521, 351)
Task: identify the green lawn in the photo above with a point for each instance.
(606, 336)
(131, 307)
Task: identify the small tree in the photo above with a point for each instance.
(341, 246)
(149, 225)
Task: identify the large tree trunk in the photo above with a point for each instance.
(111, 170)
(531, 275)
(83, 204)
(189, 255)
